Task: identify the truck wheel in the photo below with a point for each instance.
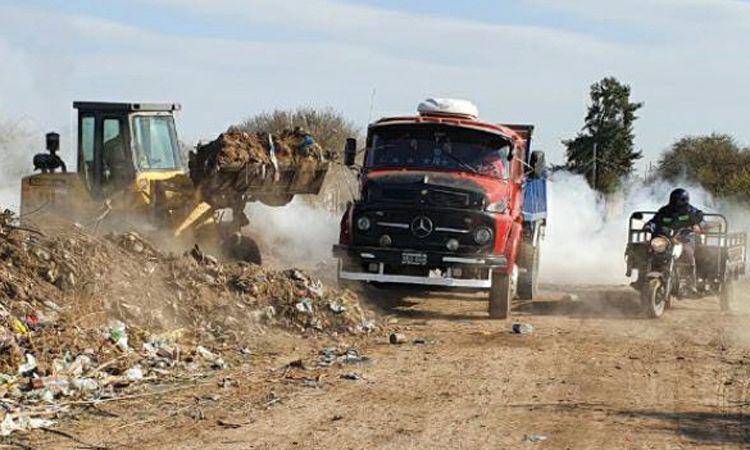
(528, 281)
(653, 298)
(242, 248)
(501, 294)
(726, 296)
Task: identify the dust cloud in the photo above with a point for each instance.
(586, 236)
(297, 234)
(584, 243)
(16, 153)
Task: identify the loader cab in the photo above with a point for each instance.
(117, 142)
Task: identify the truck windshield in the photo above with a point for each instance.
(156, 142)
(439, 147)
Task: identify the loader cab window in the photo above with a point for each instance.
(111, 148)
(117, 167)
(156, 142)
(86, 159)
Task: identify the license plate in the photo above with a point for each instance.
(414, 259)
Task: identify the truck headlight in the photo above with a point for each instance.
(452, 244)
(364, 223)
(482, 235)
(659, 244)
(385, 241)
(498, 207)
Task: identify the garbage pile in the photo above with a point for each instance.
(84, 318)
(237, 165)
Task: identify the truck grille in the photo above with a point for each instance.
(421, 229)
(431, 197)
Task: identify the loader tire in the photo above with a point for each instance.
(277, 200)
(501, 295)
(242, 248)
(528, 280)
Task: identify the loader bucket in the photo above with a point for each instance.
(238, 167)
(306, 177)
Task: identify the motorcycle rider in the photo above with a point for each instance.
(679, 215)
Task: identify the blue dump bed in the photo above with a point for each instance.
(535, 199)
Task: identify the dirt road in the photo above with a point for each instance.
(592, 375)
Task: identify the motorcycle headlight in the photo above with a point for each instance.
(497, 207)
(482, 235)
(363, 223)
(659, 244)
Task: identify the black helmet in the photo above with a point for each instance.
(679, 198)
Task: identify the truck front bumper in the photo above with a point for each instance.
(441, 267)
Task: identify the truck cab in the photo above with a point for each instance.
(446, 200)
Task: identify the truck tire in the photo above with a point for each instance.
(501, 295)
(528, 280)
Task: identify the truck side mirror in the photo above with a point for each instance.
(350, 152)
(538, 163)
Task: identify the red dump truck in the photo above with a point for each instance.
(447, 200)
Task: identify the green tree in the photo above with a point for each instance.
(603, 151)
(327, 126)
(715, 162)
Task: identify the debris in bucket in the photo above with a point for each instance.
(237, 162)
(522, 328)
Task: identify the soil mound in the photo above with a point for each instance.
(86, 316)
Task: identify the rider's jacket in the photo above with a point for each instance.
(677, 218)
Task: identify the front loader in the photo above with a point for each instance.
(131, 174)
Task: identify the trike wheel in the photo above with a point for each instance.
(654, 299)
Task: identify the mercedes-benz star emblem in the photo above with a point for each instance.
(421, 226)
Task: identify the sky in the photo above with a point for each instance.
(527, 61)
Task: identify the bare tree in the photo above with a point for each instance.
(330, 129)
